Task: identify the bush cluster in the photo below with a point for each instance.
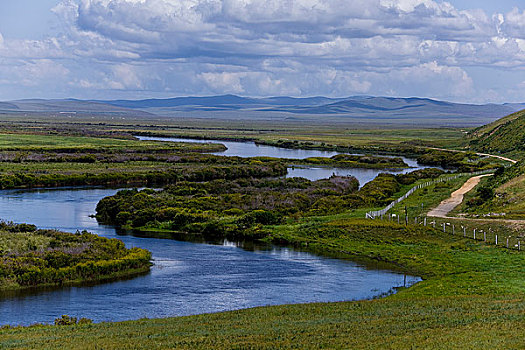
(31, 257)
(464, 162)
(224, 207)
(238, 208)
(150, 178)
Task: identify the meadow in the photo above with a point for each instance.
(472, 294)
(349, 134)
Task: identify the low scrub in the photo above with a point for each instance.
(31, 257)
(239, 208)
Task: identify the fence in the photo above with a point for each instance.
(478, 231)
(461, 228)
(380, 213)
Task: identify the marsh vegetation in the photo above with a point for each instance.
(30, 257)
(233, 197)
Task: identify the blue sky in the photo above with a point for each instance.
(462, 50)
(490, 6)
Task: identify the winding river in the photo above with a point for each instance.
(251, 149)
(187, 278)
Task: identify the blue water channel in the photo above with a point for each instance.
(187, 277)
(251, 149)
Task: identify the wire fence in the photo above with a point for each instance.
(380, 213)
(478, 231)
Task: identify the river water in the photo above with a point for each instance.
(251, 149)
(187, 278)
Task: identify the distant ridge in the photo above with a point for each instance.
(352, 106)
(355, 109)
(7, 106)
(221, 101)
(183, 101)
(41, 106)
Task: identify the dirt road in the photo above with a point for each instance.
(479, 154)
(456, 198)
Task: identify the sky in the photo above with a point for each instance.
(470, 51)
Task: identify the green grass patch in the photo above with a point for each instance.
(21, 142)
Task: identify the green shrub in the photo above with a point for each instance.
(66, 320)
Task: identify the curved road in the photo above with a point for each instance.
(499, 157)
(455, 198)
(479, 154)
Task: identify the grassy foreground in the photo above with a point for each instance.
(473, 297)
(439, 323)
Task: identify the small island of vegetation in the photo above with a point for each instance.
(30, 257)
(239, 208)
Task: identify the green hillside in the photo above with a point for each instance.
(504, 136)
(502, 195)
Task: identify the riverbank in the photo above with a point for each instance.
(469, 299)
(469, 288)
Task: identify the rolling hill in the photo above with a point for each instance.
(68, 106)
(505, 136)
(366, 110)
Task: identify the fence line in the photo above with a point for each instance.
(379, 213)
(462, 229)
(491, 236)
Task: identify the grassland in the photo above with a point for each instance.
(28, 142)
(472, 295)
(346, 135)
(505, 136)
(426, 198)
(499, 197)
(337, 136)
(35, 160)
(46, 160)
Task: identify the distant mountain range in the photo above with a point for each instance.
(367, 108)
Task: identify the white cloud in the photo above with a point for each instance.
(257, 47)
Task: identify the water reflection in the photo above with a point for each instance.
(187, 278)
(250, 149)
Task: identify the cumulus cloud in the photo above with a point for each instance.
(293, 47)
